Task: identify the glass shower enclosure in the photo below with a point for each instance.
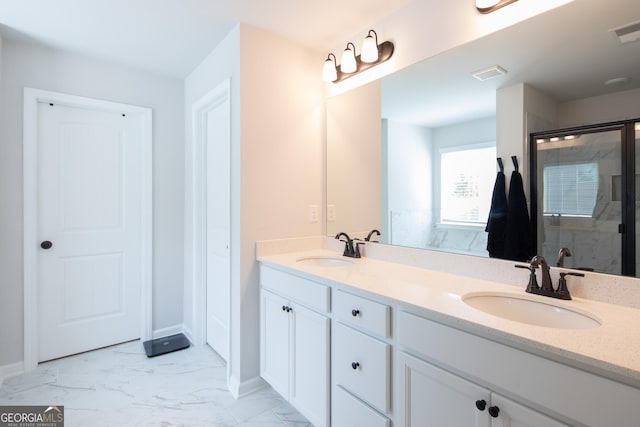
(585, 195)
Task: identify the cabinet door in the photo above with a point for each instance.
(512, 414)
(429, 396)
(309, 386)
(274, 341)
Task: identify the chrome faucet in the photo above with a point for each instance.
(371, 233)
(349, 249)
(564, 252)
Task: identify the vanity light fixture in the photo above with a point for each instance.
(488, 6)
(352, 64)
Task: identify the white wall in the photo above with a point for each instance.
(277, 168)
(600, 109)
(354, 156)
(49, 69)
(409, 163)
(282, 128)
(222, 63)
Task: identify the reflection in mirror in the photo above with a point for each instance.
(555, 79)
(587, 197)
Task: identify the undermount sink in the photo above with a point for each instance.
(325, 261)
(531, 310)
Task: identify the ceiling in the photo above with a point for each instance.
(567, 53)
(171, 37)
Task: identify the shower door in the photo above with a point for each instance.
(584, 197)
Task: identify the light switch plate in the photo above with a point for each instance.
(313, 213)
(331, 212)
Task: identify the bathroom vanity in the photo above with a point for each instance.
(366, 342)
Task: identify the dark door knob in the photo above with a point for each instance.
(494, 411)
(481, 404)
(46, 245)
(355, 365)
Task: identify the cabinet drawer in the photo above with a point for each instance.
(364, 313)
(348, 411)
(361, 364)
(312, 294)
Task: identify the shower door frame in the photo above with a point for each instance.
(627, 226)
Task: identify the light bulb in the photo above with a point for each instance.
(329, 72)
(484, 4)
(348, 63)
(370, 48)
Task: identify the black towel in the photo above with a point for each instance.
(497, 221)
(518, 239)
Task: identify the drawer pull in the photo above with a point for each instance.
(494, 411)
(355, 312)
(481, 404)
(284, 308)
(355, 365)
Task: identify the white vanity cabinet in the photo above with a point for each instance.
(528, 390)
(361, 362)
(295, 342)
(431, 396)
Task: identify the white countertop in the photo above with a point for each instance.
(611, 350)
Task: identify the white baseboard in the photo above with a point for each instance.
(11, 370)
(171, 330)
(245, 388)
(188, 333)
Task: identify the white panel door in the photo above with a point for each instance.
(89, 208)
(218, 224)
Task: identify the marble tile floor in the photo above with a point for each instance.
(120, 386)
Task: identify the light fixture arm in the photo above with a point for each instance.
(375, 35)
(492, 6)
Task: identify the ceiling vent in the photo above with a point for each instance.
(489, 73)
(628, 33)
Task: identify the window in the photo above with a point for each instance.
(466, 184)
(570, 189)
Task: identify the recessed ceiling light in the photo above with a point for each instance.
(617, 81)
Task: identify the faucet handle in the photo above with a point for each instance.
(357, 249)
(563, 291)
(533, 281)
